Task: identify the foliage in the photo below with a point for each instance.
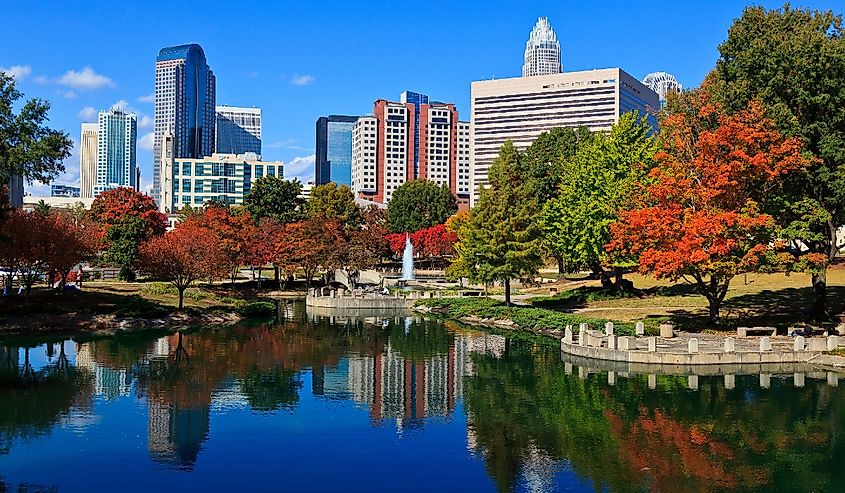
(501, 240)
(232, 233)
(420, 204)
(309, 245)
(698, 218)
(158, 288)
(436, 241)
(28, 147)
(258, 309)
(594, 184)
(544, 162)
(334, 202)
(124, 238)
(181, 257)
(68, 243)
(112, 206)
(275, 198)
(363, 248)
(793, 60)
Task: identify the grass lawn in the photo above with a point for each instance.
(758, 299)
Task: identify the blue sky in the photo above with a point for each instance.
(300, 60)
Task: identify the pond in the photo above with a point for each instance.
(319, 403)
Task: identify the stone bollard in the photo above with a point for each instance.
(667, 330)
(798, 345)
(652, 381)
(692, 382)
(652, 344)
(639, 329)
(584, 326)
(608, 329)
(611, 342)
(798, 379)
(832, 379)
(730, 345)
(832, 342)
(624, 343)
(582, 336)
(765, 344)
(765, 380)
(567, 335)
(567, 368)
(692, 346)
(582, 373)
(611, 377)
(730, 382)
(816, 344)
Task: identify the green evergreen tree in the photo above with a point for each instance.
(125, 238)
(501, 240)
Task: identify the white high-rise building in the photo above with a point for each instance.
(238, 130)
(521, 108)
(117, 164)
(88, 160)
(662, 83)
(542, 51)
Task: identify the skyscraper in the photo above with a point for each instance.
(88, 160)
(417, 100)
(185, 101)
(662, 83)
(521, 108)
(117, 164)
(542, 51)
(334, 150)
(238, 130)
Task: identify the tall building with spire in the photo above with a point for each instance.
(662, 83)
(542, 51)
(185, 105)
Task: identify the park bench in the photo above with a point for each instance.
(761, 331)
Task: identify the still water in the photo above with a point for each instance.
(403, 404)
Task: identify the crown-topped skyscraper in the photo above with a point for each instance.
(542, 51)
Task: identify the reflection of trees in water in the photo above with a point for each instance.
(33, 401)
(418, 339)
(628, 437)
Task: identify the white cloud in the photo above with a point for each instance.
(150, 98)
(69, 95)
(85, 79)
(302, 80)
(122, 105)
(146, 141)
(301, 167)
(40, 79)
(18, 72)
(145, 121)
(285, 144)
(88, 114)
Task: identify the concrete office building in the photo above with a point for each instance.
(542, 51)
(88, 159)
(185, 92)
(333, 160)
(238, 130)
(520, 109)
(14, 191)
(220, 177)
(58, 190)
(117, 164)
(394, 146)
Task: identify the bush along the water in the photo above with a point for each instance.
(258, 309)
(529, 318)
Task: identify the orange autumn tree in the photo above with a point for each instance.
(233, 231)
(182, 256)
(699, 216)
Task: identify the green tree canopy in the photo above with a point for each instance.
(794, 60)
(594, 184)
(420, 204)
(543, 162)
(501, 240)
(28, 147)
(335, 202)
(124, 239)
(276, 198)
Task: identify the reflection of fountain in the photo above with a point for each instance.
(408, 260)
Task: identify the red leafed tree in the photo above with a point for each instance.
(699, 215)
(310, 245)
(233, 232)
(181, 256)
(69, 242)
(365, 247)
(260, 248)
(436, 241)
(113, 205)
(23, 250)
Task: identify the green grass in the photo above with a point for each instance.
(530, 318)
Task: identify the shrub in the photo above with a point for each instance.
(159, 288)
(258, 309)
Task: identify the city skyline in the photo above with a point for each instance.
(297, 84)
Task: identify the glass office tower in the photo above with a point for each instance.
(334, 150)
(117, 164)
(185, 102)
(416, 99)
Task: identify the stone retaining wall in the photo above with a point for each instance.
(358, 303)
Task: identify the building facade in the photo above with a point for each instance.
(334, 150)
(394, 146)
(88, 159)
(238, 130)
(417, 99)
(220, 177)
(542, 51)
(185, 93)
(117, 162)
(14, 191)
(58, 190)
(520, 109)
(662, 83)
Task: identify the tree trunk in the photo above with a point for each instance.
(714, 305)
(561, 265)
(820, 296)
(507, 292)
(181, 296)
(260, 268)
(276, 275)
(597, 269)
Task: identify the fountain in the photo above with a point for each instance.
(408, 260)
